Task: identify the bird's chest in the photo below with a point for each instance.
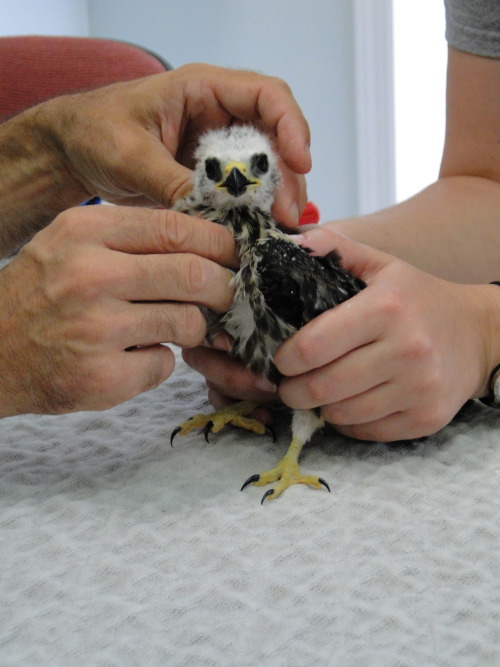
(254, 325)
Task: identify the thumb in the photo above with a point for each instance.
(156, 173)
(358, 258)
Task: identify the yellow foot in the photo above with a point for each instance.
(234, 414)
(285, 473)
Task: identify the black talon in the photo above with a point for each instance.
(271, 432)
(206, 430)
(325, 484)
(174, 433)
(266, 495)
(250, 480)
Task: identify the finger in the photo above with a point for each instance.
(111, 327)
(228, 376)
(290, 200)
(123, 375)
(161, 177)
(156, 174)
(149, 367)
(367, 407)
(237, 394)
(167, 231)
(394, 427)
(353, 374)
(331, 335)
(253, 97)
(146, 231)
(149, 324)
(175, 277)
(361, 260)
(219, 401)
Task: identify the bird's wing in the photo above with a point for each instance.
(298, 287)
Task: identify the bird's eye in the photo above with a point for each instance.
(260, 164)
(212, 169)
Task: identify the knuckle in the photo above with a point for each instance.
(418, 347)
(432, 383)
(68, 219)
(84, 331)
(72, 224)
(37, 252)
(173, 231)
(180, 323)
(176, 187)
(129, 149)
(281, 84)
(65, 228)
(77, 282)
(305, 350)
(433, 420)
(391, 304)
(194, 326)
(332, 414)
(162, 324)
(316, 390)
(197, 275)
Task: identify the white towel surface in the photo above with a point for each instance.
(118, 550)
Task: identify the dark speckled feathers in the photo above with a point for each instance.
(285, 288)
(299, 287)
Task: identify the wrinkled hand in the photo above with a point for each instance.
(86, 304)
(132, 142)
(397, 361)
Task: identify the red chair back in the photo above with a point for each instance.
(36, 68)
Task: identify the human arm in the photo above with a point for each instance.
(131, 143)
(451, 229)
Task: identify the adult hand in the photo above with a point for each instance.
(86, 304)
(399, 359)
(132, 143)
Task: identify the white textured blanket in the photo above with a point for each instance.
(118, 550)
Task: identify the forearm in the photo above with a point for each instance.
(451, 229)
(35, 184)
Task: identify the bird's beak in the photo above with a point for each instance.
(236, 182)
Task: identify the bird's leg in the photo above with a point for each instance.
(234, 414)
(286, 472)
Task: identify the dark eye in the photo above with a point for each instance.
(260, 164)
(212, 169)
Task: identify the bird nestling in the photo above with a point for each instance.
(278, 288)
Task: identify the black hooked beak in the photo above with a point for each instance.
(236, 183)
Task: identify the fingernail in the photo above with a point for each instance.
(221, 342)
(264, 384)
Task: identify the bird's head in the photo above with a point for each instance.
(235, 166)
